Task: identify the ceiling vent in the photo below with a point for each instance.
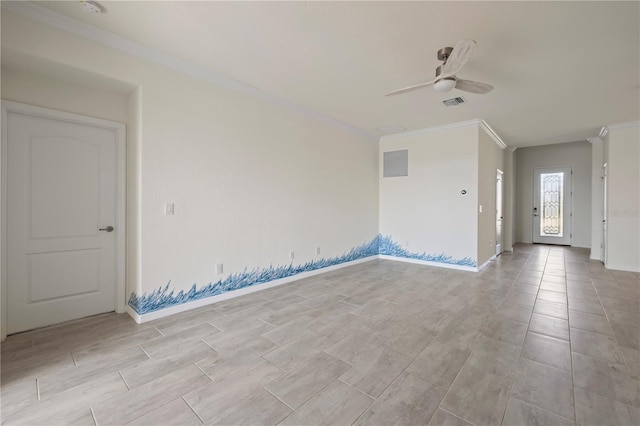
(453, 101)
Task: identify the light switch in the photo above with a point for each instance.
(168, 209)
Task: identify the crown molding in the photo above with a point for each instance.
(133, 48)
(407, 134)
(475, 122)
(624, 125)
(493, 134)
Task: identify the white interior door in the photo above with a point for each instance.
(61, 205)
(499, 214)
(552, 205)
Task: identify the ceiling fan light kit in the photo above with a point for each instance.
(453, 59)
(444, 84)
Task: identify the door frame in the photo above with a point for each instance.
(605, 216)
(120, 222)
(533, 192)
(500, 178)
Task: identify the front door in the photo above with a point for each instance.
(61, 210)
(552, 205)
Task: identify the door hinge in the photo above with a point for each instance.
(570, 235)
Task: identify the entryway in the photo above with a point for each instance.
(552, 205)
(63, 178)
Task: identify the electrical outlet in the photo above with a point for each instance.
(292, 255)
(168, 209)
(480, 208)
(219, 268)
(317, 250)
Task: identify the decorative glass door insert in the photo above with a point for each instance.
(552, 205)
(551, 196)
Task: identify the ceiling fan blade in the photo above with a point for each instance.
(410, 88)
(473, 86)
(459, 56)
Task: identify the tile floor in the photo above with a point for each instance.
(542, 336)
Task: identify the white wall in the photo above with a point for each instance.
(574, 154)
(623, 195)
(425, 211)
(509, 225)
(50, 92)
(250, 181)
(597, 208)
(490, 159)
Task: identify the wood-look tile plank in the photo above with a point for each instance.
(260, 408)
(174, 413)
(337, 404)
(442, 418)
(70, 405)
(160, 365)
(296, 387)
(408, 401)
(439, 363)
(148, 398)
(544, 386)
(520, 413)
(51, 384)
(217, 396)
(376, 371)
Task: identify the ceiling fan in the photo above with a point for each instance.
(453, 59)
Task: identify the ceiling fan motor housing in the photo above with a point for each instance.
(444, 53)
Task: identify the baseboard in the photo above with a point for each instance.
(161, 313)
(485, 264)
(625, 268)
(425, 262)
(142, 318)
(581, 246)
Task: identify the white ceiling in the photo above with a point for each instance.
(561, 70)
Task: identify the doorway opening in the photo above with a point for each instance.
(552, 205)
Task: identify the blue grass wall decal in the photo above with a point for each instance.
(389, 247)
(164, 297)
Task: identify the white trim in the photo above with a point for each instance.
(120, 224)
(581, 246)
(427, 263)
(474, 122)
(485, 264)
(3, 225)
(141, 318)
(571, 199)
(626, 268)
(624, 125)
(493, 135)
(131, 47)
(594, 139)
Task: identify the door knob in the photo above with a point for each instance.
(108, 229)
